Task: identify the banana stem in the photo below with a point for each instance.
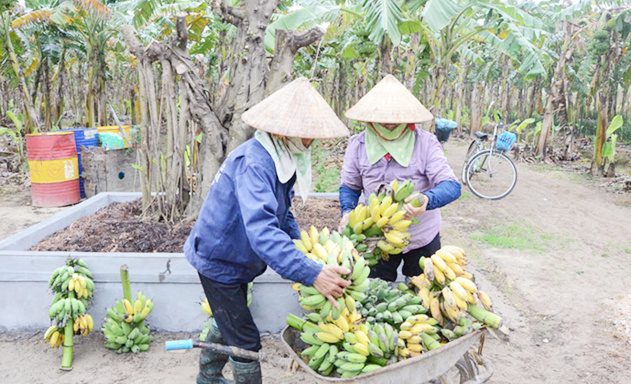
(126, 283)
(484, 316)
(66, 360)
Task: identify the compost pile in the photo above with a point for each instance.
(120, 227)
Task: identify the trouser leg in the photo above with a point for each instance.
(229, 305)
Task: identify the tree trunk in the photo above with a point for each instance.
(476, 108)
(31, 123)
(60, 85)
(287, 44)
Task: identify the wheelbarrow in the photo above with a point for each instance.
(424, 368)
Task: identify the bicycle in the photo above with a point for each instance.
(489, 173)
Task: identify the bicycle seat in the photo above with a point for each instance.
(482, 135)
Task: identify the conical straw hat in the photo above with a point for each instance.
(296, 110)
(389, 102)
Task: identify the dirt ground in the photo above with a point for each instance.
(554, 256)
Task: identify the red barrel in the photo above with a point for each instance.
(54, 169)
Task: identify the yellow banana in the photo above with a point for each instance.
(361, 349)
(422, 327)
(414, 347)
(328, 337)
(394, 184)
(90, 322)
(449, 273)
(342, 323)
(332, 329)
(71, 284)
(385, 204)
(485, 300)
(461, 303)
(402, 225)
(397, 217)
(352, 218)
(446, 256)
(367, 223)
(362, 337)
(456, 268)
(137, 306)
(53, 339)
(467, 284)
(425, 296)
(390, 210)
(300, 246)
(396, 238)
(129, 309)
(439, 276)
(382, 221)
(457, 289)
(439, 263)
(448, 296)
(314, 235)
(306, 241)
(434, 307)
(320, 251)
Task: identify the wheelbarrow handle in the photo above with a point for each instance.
(173, 345)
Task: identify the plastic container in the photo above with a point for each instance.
(505, 141)
(54, 169)
(87, 137)
(114, 130)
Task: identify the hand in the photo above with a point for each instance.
(330, 284)
(343, 222)
(413, 211)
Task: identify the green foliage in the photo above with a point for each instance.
(609, 146)
(513, 236)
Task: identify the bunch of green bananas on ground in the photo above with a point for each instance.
(207, 310)
(380, 228)
(331, 248)
(449, 291)
(384, 304)
(124, 327)
(54, 335)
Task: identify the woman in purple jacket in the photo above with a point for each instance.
(245, 223)
(392, 147)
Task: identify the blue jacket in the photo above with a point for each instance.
(245, 223)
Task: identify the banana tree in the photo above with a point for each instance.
(6, 8)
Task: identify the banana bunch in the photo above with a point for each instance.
(449, 291)
(65, 308)
(419, 333)
(83, 325)
(380, 228)
(330, 248)
(124, 327)
(389, 305)
(349, 353)
(73, 277)
(123, 337)
(54, 335)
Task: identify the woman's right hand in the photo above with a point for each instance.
(343, 222)
(330, 284)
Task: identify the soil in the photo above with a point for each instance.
(120, 227)
(553, 255)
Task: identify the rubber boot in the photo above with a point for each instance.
(211, 363)
(246, 373)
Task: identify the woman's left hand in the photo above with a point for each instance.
(413, 211)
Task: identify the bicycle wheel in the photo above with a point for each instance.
(473, 147)
(491, 175)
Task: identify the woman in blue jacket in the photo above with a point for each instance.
(245, 223)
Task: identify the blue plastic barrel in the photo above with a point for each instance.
(87, 137)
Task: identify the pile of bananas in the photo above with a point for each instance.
(389, 305)
(124, 327)
(380, 228)
(73, 288)
(449, 291)
(207, 310)
(331, 248)
(349, 348)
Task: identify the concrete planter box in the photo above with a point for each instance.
(166, 278)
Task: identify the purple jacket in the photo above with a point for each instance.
(428, 167)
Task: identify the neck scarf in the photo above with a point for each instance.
(399, 143)
(289, 158)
